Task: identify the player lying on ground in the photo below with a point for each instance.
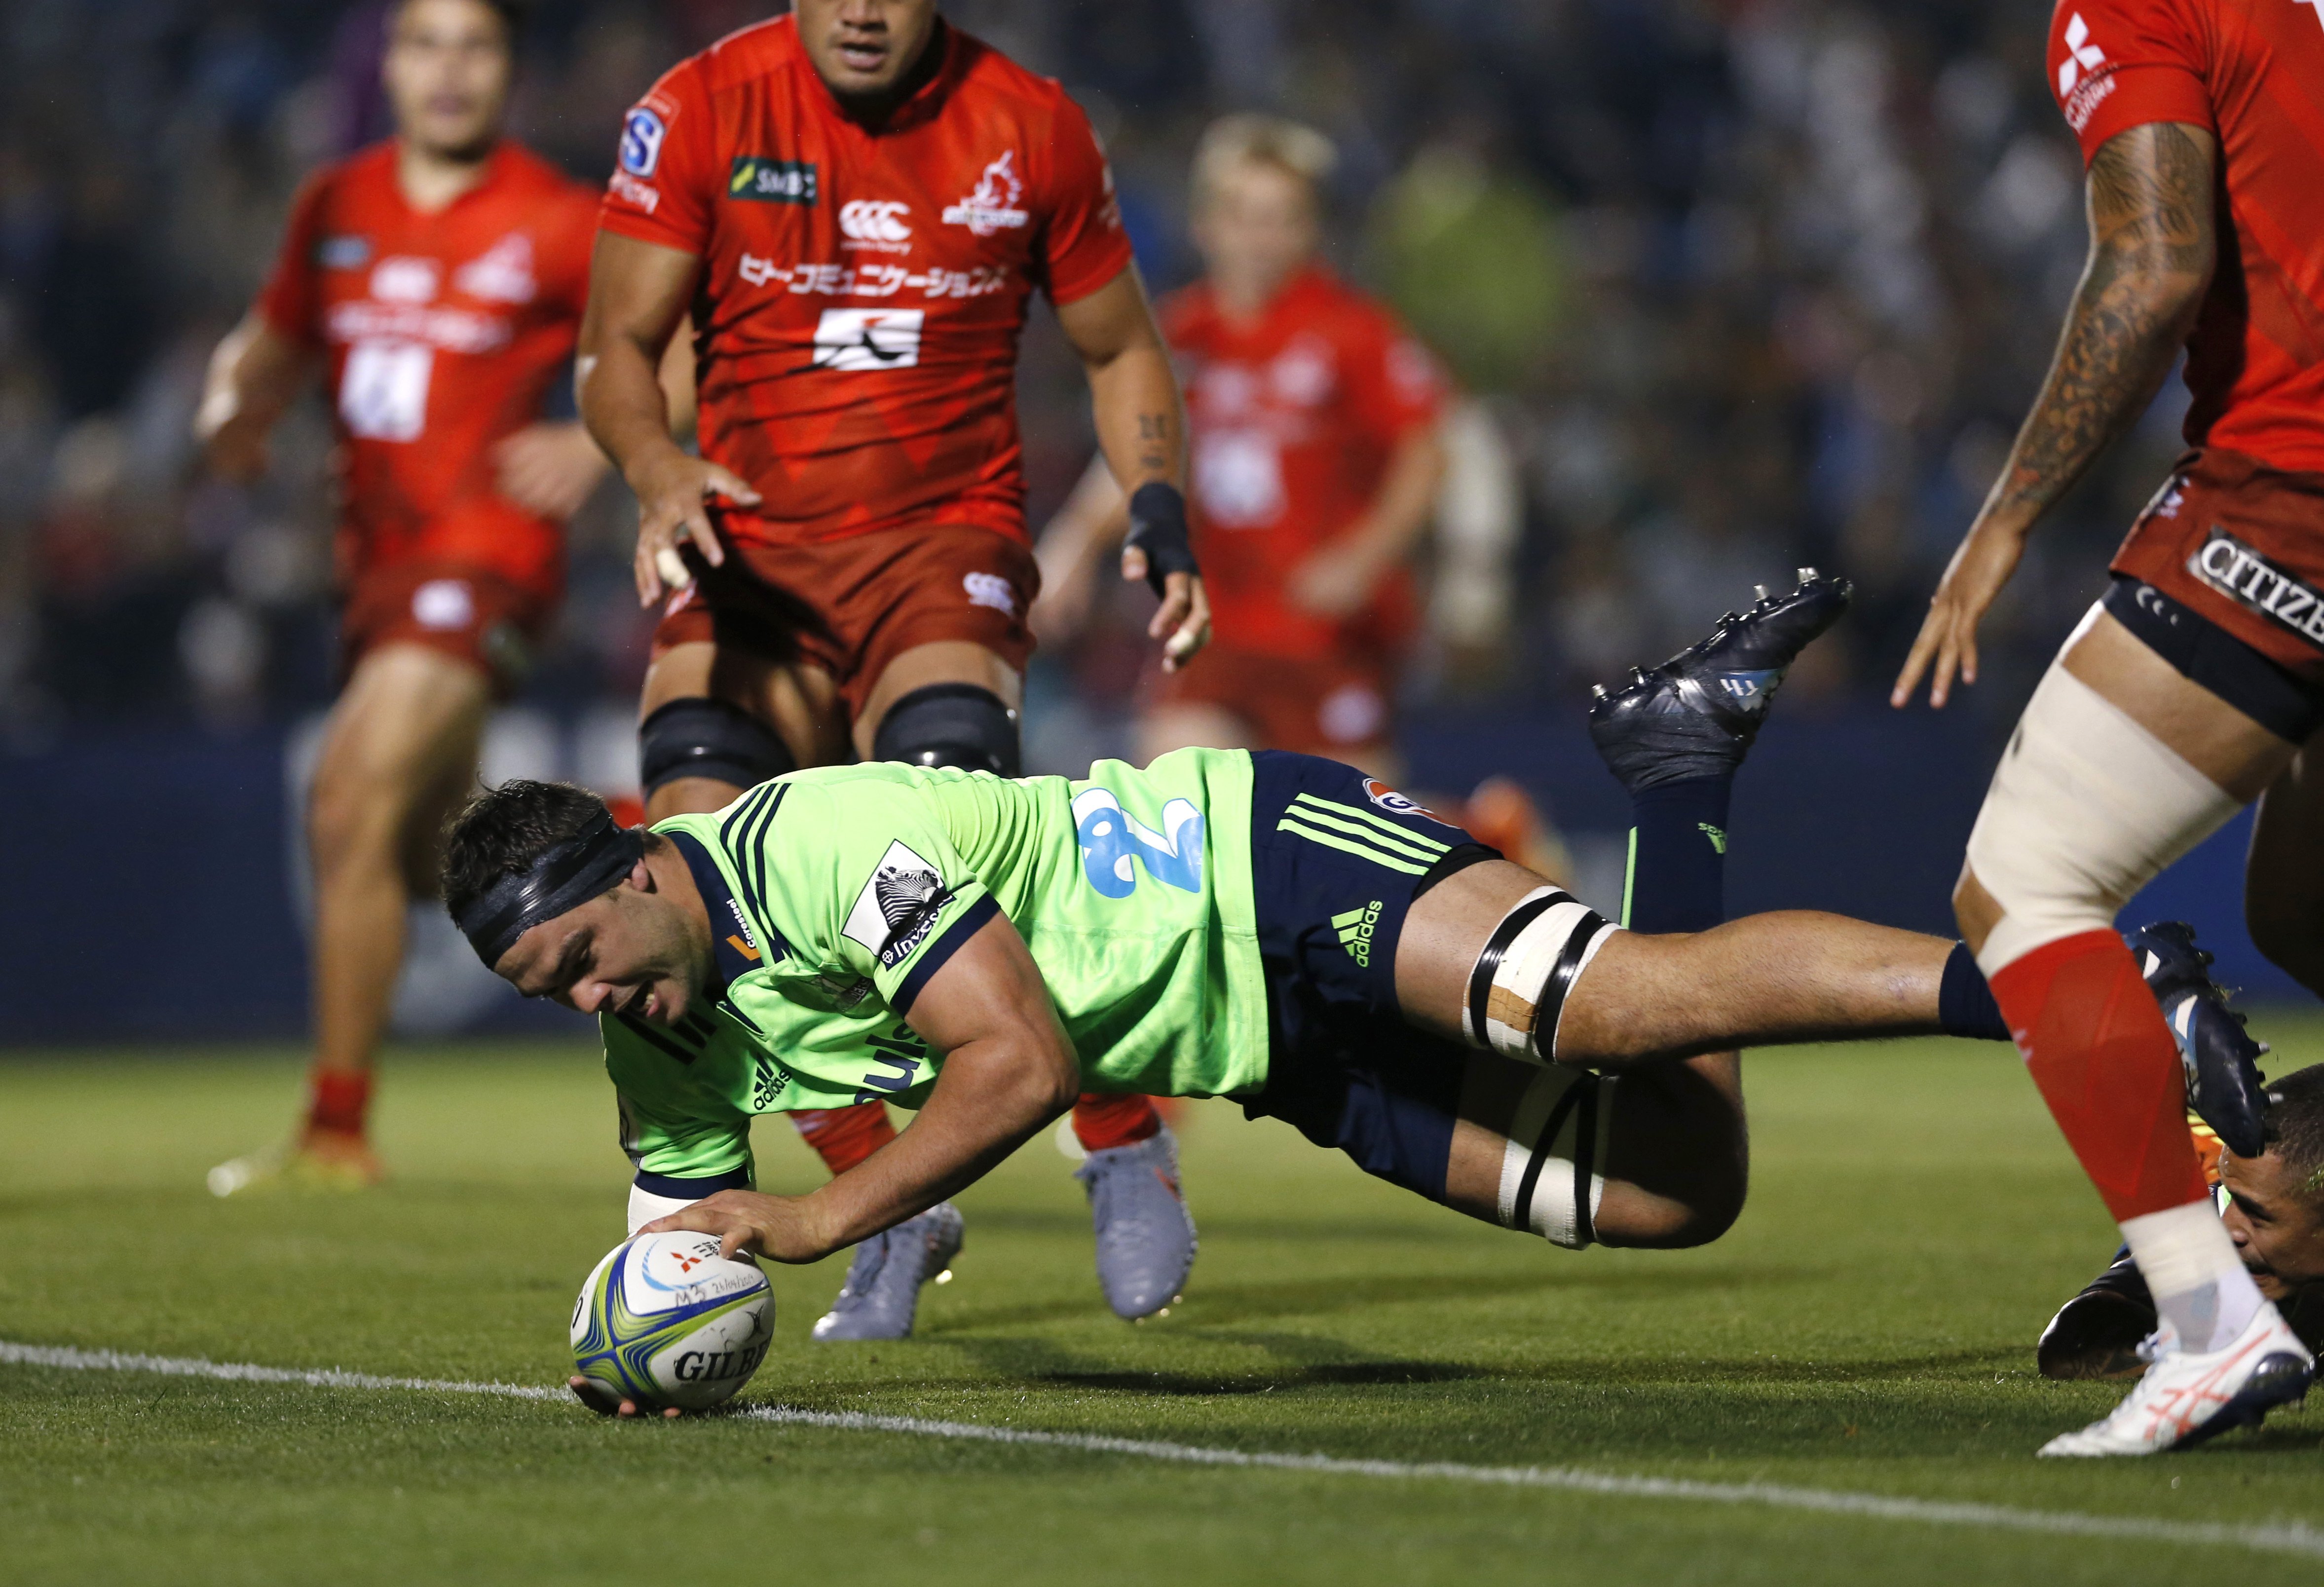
(435, 281)
(2272, 1206)
(1223, 923)
(2192, 689)
(856, 204)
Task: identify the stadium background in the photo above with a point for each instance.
(1735, 288)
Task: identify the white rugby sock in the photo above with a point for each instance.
(2189, 1261)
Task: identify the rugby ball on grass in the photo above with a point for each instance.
(666, 1321)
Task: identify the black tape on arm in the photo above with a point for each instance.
(1158, 527)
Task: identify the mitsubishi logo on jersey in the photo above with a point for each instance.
(868, 338)
(993, 206)
(2081, 55)
(874, 220)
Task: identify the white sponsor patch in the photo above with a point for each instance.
(444, 603)
(2249, 579)
(868, 338)
(990, 589)
(641, 136)
(897, 907)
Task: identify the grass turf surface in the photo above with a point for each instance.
(1868, 1327)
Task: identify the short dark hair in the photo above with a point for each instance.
(512, 13)
(503, 830)
(2295, 1125)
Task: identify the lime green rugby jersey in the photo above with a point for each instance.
(834, 893)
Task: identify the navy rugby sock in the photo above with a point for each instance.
(1677, 878)
(1965, 1005)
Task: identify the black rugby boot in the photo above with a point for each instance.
(2224, 1085)
(1695, 716)
(2096, 1334)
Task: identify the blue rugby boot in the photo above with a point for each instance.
(882, 1291)
(1145, 1235)
(2225, 1088)
(1695, 716)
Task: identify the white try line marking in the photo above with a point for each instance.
(2293, 1538)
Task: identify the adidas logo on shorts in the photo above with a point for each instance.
(1355, 928)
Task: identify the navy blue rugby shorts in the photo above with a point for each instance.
(1337, 858)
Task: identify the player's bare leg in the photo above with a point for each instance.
(2120, 765)
(1188, 725)
(2284, 878)
(398, 755)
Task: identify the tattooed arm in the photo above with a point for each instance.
(1142, 430)
(2152, 249)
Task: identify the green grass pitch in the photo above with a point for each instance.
(1868, 1327)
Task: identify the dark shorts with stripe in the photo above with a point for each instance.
(1337, 858)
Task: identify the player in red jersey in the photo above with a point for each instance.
(1315, 420)
(2197, 685)
(855, 205)
(437, 283)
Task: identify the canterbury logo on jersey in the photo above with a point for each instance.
(1361, 833)
(874, 220)
(2236, 571)
(868, 338)
(771, 181)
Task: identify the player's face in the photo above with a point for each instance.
(1258, 226)
(862, 48)
(2276, 1223)
(627, 952)
(447, 71)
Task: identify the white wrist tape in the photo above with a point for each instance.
(2086, 807)
(645, 1206)
(1519, 986)
(1557, 1141)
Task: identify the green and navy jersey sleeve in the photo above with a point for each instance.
(881, 888)
(684, 1136)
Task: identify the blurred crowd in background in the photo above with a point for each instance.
(1735, 287)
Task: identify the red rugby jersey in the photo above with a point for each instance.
(1293, 416)
(442, 332)
(2251, 71)
(864, 288)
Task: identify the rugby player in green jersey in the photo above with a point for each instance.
(1271, 928)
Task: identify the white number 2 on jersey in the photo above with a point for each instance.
(383, 393)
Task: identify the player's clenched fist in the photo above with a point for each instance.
(672, 491)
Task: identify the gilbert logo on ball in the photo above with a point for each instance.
(666, 1321)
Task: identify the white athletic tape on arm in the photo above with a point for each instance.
(2086, 807)
(1554, 1211)
(1535, 969)
(645, 1206)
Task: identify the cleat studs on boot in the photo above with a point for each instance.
(1759, 590)
(1807, 576)
(1597, 691)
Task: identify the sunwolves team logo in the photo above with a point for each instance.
(1110, 837)
(1395, 803)
(899, 905)
(993, 205)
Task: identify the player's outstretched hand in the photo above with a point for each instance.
(1947, 644)
(771, 1226)
(1183, 615)
(550, 468)
(672, 492)
(605, 1403)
